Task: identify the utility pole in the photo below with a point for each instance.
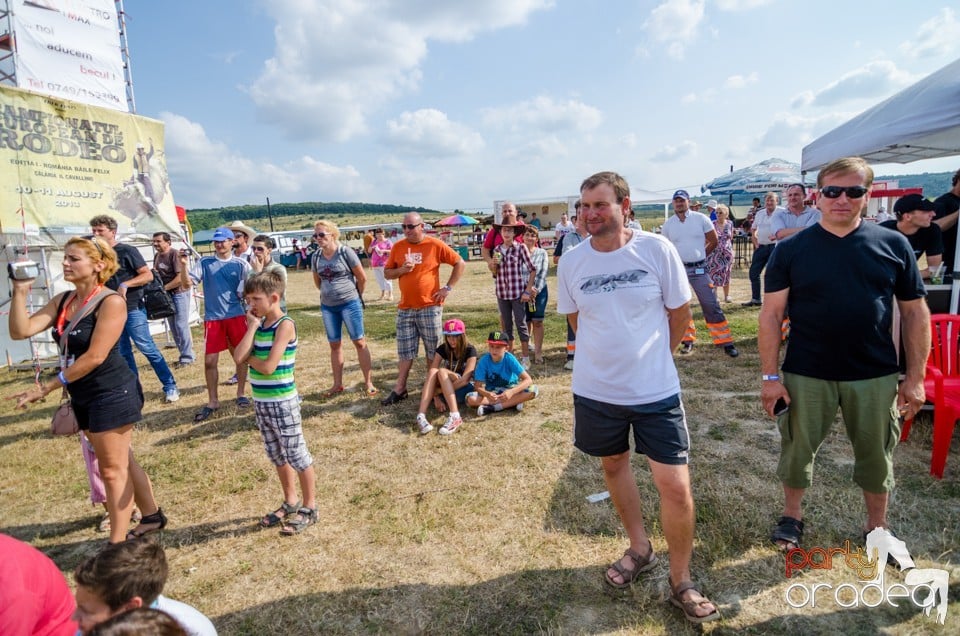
(270, 214)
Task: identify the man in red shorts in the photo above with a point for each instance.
(222, 276)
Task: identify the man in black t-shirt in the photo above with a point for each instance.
(841, 278)
(915, 221)
(132, 275)
(948, 209)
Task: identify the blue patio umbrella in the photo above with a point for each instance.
(771, 174)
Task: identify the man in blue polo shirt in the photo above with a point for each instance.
(225, 324)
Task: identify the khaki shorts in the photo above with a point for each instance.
(870, 415)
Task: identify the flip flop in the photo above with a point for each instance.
(204, 414)
(334, 391)
(372, 391)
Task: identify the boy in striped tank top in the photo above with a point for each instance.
(270, 348)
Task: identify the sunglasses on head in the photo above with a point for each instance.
(852, 192)
(96, 243)
(410, 226)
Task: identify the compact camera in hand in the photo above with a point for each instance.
(23, 270)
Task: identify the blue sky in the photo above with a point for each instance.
(455, 103)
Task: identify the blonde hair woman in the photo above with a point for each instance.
(339, 276)
(721, 258)
(105, 394)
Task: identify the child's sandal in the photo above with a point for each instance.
(304, 517)
(274, 518)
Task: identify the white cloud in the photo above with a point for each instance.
(429, 133)
(543, 114)
(689, 98)
(208, 173)
(935, 37)
(741, 81)
(741, 5)
(673, 23)
(876, 79)
(684, 149)
(789, 130)
(335, 61)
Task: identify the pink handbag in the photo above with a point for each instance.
(64, 420)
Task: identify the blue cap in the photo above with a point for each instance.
(682, 194)
(222, 234)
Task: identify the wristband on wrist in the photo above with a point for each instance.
(769, 378)
(62, 378)
(448, 288)
(122, 286)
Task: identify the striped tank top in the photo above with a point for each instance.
(279, 385)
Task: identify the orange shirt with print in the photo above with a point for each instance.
(418, 287)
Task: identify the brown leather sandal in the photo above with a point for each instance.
(641, 564)
(691, 606)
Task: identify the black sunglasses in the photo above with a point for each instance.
(319, 234)
(410, 226)
(259, 249)
(852, 192)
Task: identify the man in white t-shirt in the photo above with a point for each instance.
(626, 294)
(761, 233)
(694, 236)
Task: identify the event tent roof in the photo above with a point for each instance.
(920, 122)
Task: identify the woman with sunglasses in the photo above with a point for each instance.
(339, 276)
(105, 395)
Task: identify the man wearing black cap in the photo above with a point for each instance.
(915, 221)
(948, 209)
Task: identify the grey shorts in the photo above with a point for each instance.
(660, 431)
(282, 433)
(414, 325)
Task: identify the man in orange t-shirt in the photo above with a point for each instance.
(415, 262)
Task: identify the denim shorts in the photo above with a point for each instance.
(540, 306)
(349, 313)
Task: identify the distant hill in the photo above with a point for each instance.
(208, 218)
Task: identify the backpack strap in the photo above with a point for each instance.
(90, 306)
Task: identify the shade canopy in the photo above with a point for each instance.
(456, 220)
(770, 174)
(920, 122)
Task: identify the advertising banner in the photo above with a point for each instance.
(64, 162)
(70, 49)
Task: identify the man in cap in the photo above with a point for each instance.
(948, 209)
(225, 324)
(694, 237)
(243, 238)
(133, 273)
(840, 278)
(625, 293)
(915, 221)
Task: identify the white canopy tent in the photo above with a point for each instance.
(920, 122)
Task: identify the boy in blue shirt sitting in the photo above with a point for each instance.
(500, 380)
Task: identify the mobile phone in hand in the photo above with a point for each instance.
(780, 407)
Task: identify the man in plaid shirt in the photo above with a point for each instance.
(514, 285)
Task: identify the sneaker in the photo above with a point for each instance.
(525, 363)
(519, 407)
(182, 364)
(172, 395)
(483, 410)
(451, 426)
(233, 380)
(569, 365)
(731, 351)
(753, 302)
(424, 426)
(686, 348)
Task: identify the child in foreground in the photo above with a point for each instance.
(500, 380)
(270, 348)
(451, 371)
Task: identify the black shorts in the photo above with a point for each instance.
(111, 408)
(659, 429)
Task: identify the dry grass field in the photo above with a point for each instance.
(484, 532)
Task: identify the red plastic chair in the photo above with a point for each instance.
(942, 386)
